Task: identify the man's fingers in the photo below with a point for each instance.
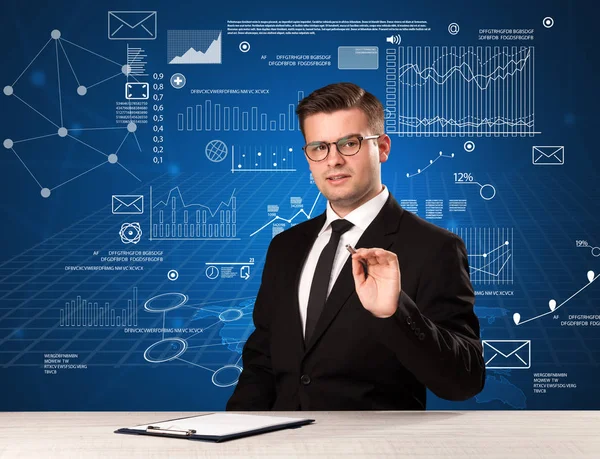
(376, 256)
(362, 263)
(356, 267)
(359, 269)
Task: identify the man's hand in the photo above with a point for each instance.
(379, 292)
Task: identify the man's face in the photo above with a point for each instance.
(346, 181)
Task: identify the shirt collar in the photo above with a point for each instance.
(362, 216)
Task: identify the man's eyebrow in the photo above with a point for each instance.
(353, 134)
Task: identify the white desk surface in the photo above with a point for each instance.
(375, 434)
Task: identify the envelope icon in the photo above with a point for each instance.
(507, 354)
(132, 25)
(548, 156)
(127, 204)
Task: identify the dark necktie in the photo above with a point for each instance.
(320, 282)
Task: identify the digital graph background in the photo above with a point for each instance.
(529, 220)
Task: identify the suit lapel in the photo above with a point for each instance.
(380, 233)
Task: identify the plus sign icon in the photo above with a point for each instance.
(178, 81)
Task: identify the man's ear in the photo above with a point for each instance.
(384, 143)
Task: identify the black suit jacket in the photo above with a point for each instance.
(355, 360)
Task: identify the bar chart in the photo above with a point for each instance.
(81, 312)
(212, 116)
(173, 219)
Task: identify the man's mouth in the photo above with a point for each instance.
(337, 177)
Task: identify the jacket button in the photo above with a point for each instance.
(417, 331)
(422, 336)
(412, 326)
(305, 379)
(408, 320)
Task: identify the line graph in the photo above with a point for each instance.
(173, 219)
(553, 307)
(431, 162)
(277, 218)
(490, 254)
(440, 91)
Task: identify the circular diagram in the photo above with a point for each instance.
(231, 315)
(226, 376)
(216, 151)
(165, 350)
(165, 302)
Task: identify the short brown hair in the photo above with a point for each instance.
(342, 96)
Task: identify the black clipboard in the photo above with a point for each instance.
(191, 434)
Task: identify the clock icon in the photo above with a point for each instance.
(212, 272)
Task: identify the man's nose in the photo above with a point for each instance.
(334, 158)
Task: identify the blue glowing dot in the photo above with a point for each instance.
(570, 119)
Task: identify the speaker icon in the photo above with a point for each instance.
(394, 39)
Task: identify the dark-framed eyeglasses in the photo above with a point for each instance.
(346, 146)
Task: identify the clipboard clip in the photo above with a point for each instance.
(155, 429)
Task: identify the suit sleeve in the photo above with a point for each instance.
(255, 389)
(436, 334)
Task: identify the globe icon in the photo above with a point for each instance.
(216, 151)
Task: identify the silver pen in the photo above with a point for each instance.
(352, 250)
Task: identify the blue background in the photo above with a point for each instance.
(547, 208)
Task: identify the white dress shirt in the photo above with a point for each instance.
(361, 217)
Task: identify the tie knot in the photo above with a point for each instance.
(341, 226)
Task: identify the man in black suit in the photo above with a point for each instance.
(374, 329)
